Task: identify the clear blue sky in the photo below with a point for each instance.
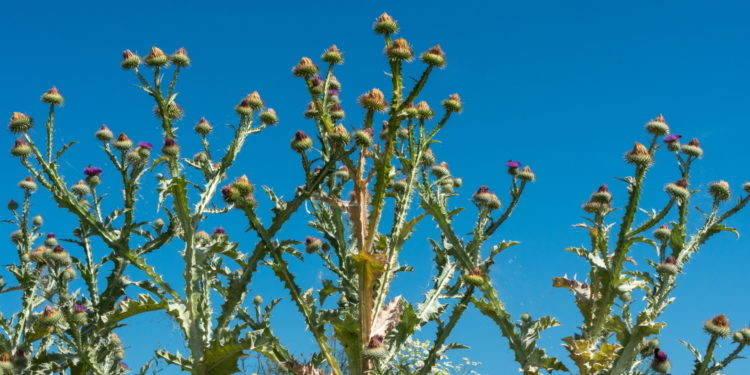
(563, 86)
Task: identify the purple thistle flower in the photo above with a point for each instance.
(300, 135)
(169, 141)
(483, 189)
(670, 260)
(659, 355)
(316, 81)
(335, 107)
(146, 145)
(124, 365)
(220, 230)
(333, 92)
(672, 138)
(512, 164)
(79, 308)
(92, 171)
(50, 235)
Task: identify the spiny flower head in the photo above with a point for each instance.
(526, 174)
(269, 117)
(658, 126)
(254, 100)
(434, 57)
(203, 127)
(301, 142)
(385, 24)
(92, 171)
(104, 134)
(453, 103)
(399, 49)
(129, 60)
(156, 57)
(663, 232)
(52, 96)
(312, 244)
(373, 100)
(170, 147)
(28, 184)
(718, 326)
(122, 143)
(678, 189)
(20, 148)
(639, 155)
(174, 111)
(692, 148)
(332, 55)
(720, 190)
(602, 195)
(19, 122)
(180, 58)
(673, 142)
(424, 111)
(660, 363)
(305, 68)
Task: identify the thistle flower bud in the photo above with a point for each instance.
(174, 111)
(144, 149)
(93, 175)
(28, 184)
(52, 96)
(720, 190)
(458, 182)
(258, 300)
(80, 189)
(743, 336)
(58, 255)
(639, 155)
(660, 363)
(16, 236)
(339, 136)
(332, 55)
(6, 363)
(158, 224)
(595, 207)
(156, 57)
(50, 316)
(180, 58)
(453, 103)
(301, 142)
(658, 126)
(424, 111)
(336, 112)
(200, 158)
(20, 148)
(312, 244)
(79, 316)
(399, 186)
(483, 197)
(693, 148)
(746, 187)
(334, 84)
(170, 147)
(203, 127)
(385, 24)
(122, 143)
(668, 267)
(475, 277)
(311, 111)
(375, 349)
(305, 68)
(104, 134)
(526, 174)
(133, 157)
(202, 236)
(68, 273)
(441, 170)
(129, 60)
(37, 256)
(434, 57)
(363, 137)
(51, 240)
(678, 189)
(447, 185)
(602, 195)
(269, 117)
(410, 111)
(243, 185)
(19, 122)
(37, 221)
(673, 142)
(342, 173)
(399, 49)
(663, 233)
(20, 361)
(717, 326)
(374, 100)
(317, 86)
(254, 100)
(219, 234)
(428, 158)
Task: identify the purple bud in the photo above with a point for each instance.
(483, 189)
(512, 164)
(659, 355)
(92, 171)
(79, 308)
(316, 81)
(672, 138)
(50, 235)
(169, 142)
(333, 92)
(300, 135)
(146, 145)
(219, 230)
(670, 260)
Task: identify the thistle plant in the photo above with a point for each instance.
(619, 333)
(365, 188)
